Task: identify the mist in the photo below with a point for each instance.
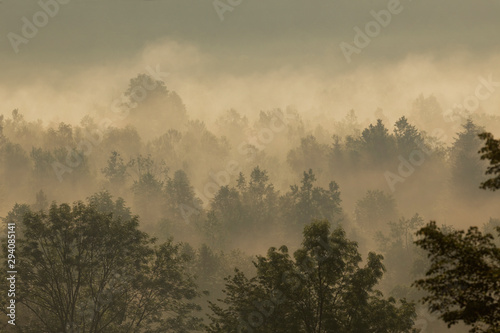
(233, 128)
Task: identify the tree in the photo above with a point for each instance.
(377, 143)
(232, 125)
(428, 113)
(226, 218)
(167, 145)
(403, 259)
(148, 188)
(463, 280)
(182, 212)
(249, 208)
(43, 171)
(321, 289)
(307, 202)
(375, 210)
(407, 136)
(41, 202)
(125, 140)
(14, 164)
(145, 82)
(60, 137)
(466, 168)
(180, 199)
(87, 268)
(148, 98)
(116, 173)
(260, 202)
(491, 152)
(309, 154)
(116, 170)
(349, 125)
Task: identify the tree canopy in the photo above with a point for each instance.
(87, 268)
(322, 288)
(491, 152)
(463, 281)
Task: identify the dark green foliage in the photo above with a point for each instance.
(308, 202)
(256, 208)
(179, 196)
(491, 152)
(226, 214)
(408, 137)
(249, 208)
(463, 281)
(378, 143)
(87, 268)
(181, 210)
(321, 289)
(260, 198)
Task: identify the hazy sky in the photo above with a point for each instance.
(264, 54)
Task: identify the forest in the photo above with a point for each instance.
(142, 218)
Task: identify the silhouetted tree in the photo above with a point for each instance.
(377, 143)
(491, 152)
(303, 204)
(115, 170)
(321, 289)
(463, 281)
(407, 136)
(86, 269)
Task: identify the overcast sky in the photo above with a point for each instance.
(264, 54)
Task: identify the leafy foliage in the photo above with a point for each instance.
(321, 289)
(466, 167)
(88, 267)
(491, 152)
(463, 280)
